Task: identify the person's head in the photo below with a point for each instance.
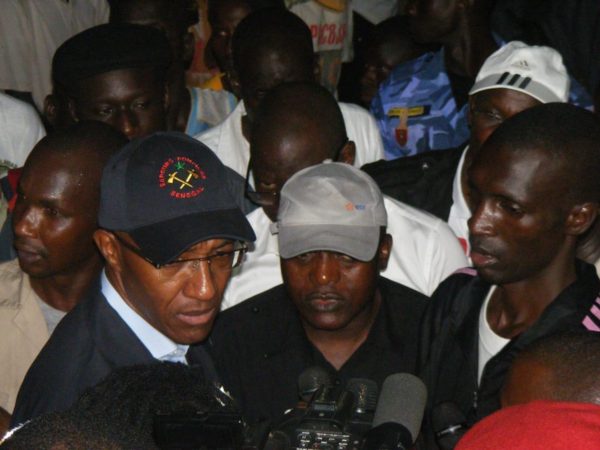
(224, 17)
(173, 17)
(534, 192)
(56, 211)
(540, 424)
(561, 367)
(288, 136)
(68, 431)
(332, 243)
(170, 232)
(389, 45)
(134, 396)
(443, 21)
(270, 47)
(112, 73)
(515, 77)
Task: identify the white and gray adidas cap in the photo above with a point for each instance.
(535, 70)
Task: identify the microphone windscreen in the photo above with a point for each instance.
(402, 401)
(365, 392)
(311, 380)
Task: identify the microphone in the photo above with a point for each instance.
(365, 394)
(310, 380)
(398, 415)
(449, 425)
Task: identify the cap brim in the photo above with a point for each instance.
(163, 242)
(359, 242)
(533, 89)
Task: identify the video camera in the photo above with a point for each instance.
(329, 417)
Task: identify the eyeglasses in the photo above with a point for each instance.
(218, 261)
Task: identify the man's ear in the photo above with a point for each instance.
(581, 218)
(51, 109)
(347, 153)
(109, 248)
(384, 251)
(72, 110)
(234, 83)
(470, 111)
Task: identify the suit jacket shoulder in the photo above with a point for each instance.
(86, 346)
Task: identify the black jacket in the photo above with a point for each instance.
(423, 181)
(260, 348)
(450, 333)
(90, 342)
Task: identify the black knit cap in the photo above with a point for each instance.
(109, 47)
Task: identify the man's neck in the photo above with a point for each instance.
(515, 307)
(64, 291)
(338, 346)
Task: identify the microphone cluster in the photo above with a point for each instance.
(353, 417)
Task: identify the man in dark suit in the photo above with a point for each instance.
(170, 233)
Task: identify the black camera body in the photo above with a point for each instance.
(331, 421)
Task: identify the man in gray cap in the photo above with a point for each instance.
(170, 233)
(333, 310)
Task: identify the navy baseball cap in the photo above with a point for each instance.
(168, 191)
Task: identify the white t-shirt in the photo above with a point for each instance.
(489, 342)
(460, 212)
(30, 33)
(232, 148)
(20, 129)
(424, 253)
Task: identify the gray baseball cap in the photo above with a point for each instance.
(330, 207)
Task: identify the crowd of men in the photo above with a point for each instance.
(170, 249)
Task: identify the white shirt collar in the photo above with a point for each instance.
(159, 345)
(458, 196)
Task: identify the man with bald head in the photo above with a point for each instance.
(273, 46)
(54, 220)
(288, 136)
(562, 367)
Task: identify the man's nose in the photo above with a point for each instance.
(127, 122)
(482, 220)
(326, 270)
(25, 221)
(201, 283)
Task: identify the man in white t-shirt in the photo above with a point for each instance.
(287, 137)
(535, 192)
(32, 30)
(270, 47)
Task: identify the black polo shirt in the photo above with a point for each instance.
(260, 348)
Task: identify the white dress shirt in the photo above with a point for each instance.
(460, 212)
(232, 148)
(159, 345)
